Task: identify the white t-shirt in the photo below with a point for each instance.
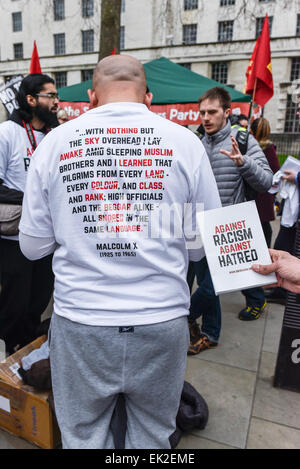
(101, 187)
(15, 156)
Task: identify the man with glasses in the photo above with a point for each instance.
(26, 286)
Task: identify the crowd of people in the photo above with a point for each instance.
(124, 325)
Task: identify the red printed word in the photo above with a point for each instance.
(92, 197)
(150, 185)
(122, 131)
(112, 207)
(230, 227)
(92, 141)
(115, 218)
(123, 228)
(71, 154)
(104, 185)
(229, 248)
(135, 162)
(155, 174)
(158, 152)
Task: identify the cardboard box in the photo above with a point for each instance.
(24, 411)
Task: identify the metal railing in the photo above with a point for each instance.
(287, 144)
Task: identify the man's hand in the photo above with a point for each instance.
(235, 154)
(290, 176)
(286, 268)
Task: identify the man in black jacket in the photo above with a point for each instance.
(26, 286)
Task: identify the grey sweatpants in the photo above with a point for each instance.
(91, 365)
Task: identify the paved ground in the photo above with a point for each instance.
(235, 379)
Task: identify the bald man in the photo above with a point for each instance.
(107, 194)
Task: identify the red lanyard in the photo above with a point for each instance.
(30, 134)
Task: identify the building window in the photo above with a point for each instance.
(291, 119)
(18, 51)
(122, 37)
(59, 44)
(260, 23)
(225, 31)
(87, 75)
(295, 70)
(59, 10)
(187, 65)
(87, 8)
(298, 26)
(88, 40)
(17, 21)
(61, 79)
(224, 3)
(123, 6)
(190, 4)
(220, 72)
(189, 34)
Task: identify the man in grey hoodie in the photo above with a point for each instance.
(234, 173)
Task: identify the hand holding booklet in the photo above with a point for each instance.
(233, 240)
(291, 164)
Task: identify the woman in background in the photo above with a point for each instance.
(261, 130)
(62, 116)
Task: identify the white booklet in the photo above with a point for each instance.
(233, 240)
(291, 164)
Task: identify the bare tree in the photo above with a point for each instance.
(110, 27)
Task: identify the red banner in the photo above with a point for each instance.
(184, 114)
(74, 109)
(188, 114)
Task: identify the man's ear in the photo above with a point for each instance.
(227, 113)
(148, 99)
(31, 100)
(93, 99)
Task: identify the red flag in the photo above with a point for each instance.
(35, 66)
(259, 72)
(250, 69)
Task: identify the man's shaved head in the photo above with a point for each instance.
(119, 78)
(119, 68)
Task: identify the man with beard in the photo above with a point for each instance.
(26, 286)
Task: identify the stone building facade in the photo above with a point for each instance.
(212, 37)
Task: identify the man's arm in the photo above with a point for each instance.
(37, 238)
(256, 170)
(7, 195)
(205, 196)
(35, 248)
(253, 166)
(10, 196)
(286, 268)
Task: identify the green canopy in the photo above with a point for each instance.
(170, 83)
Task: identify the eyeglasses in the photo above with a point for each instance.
(49, 95)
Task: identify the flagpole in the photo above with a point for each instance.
(251, 105)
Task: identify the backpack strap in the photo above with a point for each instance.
(242, 138)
